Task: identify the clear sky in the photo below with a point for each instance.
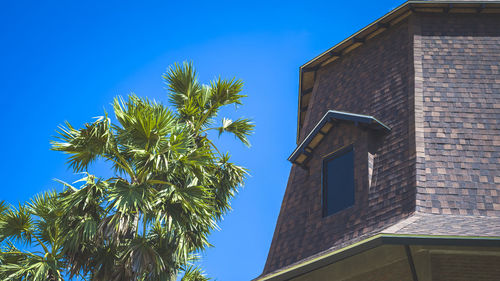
(66, 60)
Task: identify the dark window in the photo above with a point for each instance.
(338, 181)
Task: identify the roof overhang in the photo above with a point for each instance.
(308, 70)
(321, 261)
(303, 152)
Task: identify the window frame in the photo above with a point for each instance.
(324, 189)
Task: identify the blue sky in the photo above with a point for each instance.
(66, 60)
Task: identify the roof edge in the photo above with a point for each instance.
(380, 239)
(398, 8)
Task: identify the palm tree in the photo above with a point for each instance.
(171, 185)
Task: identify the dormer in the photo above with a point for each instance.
(304, 151)
(347, 167)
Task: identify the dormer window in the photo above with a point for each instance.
(338, 181)
(340, 190)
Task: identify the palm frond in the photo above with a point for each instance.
(44, 205)
(225, 179)
(3, 207)
(241, 128)
(226, 91)
(86, 144)
(17, 224)
(130, 198)
(142, 257)
(32, 267)
(194, 273)
(88, 198)
(181, 81)
(46, 209)
(143, 122)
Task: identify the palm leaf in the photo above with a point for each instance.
(17, 224)
(193, 273)
(241, 128)
(226, 92)
(182, 83)
(129, 198)
(84, 145)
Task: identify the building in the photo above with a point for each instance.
(396, 174)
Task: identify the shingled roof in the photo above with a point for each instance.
(308, 70)
(418, 229)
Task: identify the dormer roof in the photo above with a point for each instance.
(302, 153)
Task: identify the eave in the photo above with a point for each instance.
(304, 151)
(328, 258)
(308, 70)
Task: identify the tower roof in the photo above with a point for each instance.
(430, 179)
(308, 70)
